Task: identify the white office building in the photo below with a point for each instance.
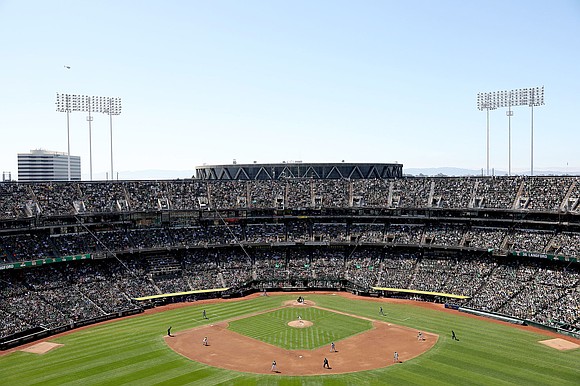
(43, 165)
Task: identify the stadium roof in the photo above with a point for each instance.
(299, 170)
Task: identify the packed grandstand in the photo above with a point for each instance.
(73, 253)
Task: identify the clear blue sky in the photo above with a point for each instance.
(271, 81)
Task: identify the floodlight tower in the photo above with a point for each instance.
(90, 119)
(84, 103)
(533, 96)
(114, 108)
(486, 101)
(66, 103)
(536, 98)
(509, 114)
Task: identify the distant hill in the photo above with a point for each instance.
(457, 172)
(143, 175)
(445, 171)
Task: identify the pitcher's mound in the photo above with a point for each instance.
(295, 303)
(300, 323)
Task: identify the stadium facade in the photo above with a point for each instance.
(322, 171)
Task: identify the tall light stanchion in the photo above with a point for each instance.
(90, 119)
(484, 102)
(72, 102)
(111, 129)
(510, 113)
(487, 170)
(66, 103)
(533, 96)
(536, 98)
(532, 145)
(113, 107)
(68, 136)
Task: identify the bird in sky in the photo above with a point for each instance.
(67, 67)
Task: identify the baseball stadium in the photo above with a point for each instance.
(290, 274)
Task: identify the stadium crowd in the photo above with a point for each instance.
(57, 294)
(137, 258)
(543, 194)
(42, 244)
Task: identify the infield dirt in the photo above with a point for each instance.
(366, 351)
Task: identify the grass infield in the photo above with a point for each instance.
(272, 327)
(132, 351)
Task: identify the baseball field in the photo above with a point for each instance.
(137, 350)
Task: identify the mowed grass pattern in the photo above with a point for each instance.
(272, 327)
(132, 352)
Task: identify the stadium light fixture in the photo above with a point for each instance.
(90, 119)
(535, 98)
(532, 96)
(90, 104)
(485, 102)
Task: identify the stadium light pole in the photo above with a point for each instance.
(536, 98)
(533, 96)
(90, 119)
(63, 104)
(68, 137)
(484, 102)
(111, 129)
(73, 102)
(509, 113)
(113, 107)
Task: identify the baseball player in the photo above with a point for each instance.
(205, 342)
(381, 311)
(325, 364)
(273, 365)
(169, 331)
(332, 347)
(204, 315)
(453, 336)
(396, 357)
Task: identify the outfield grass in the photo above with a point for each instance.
(272, 327)
(132, 352)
